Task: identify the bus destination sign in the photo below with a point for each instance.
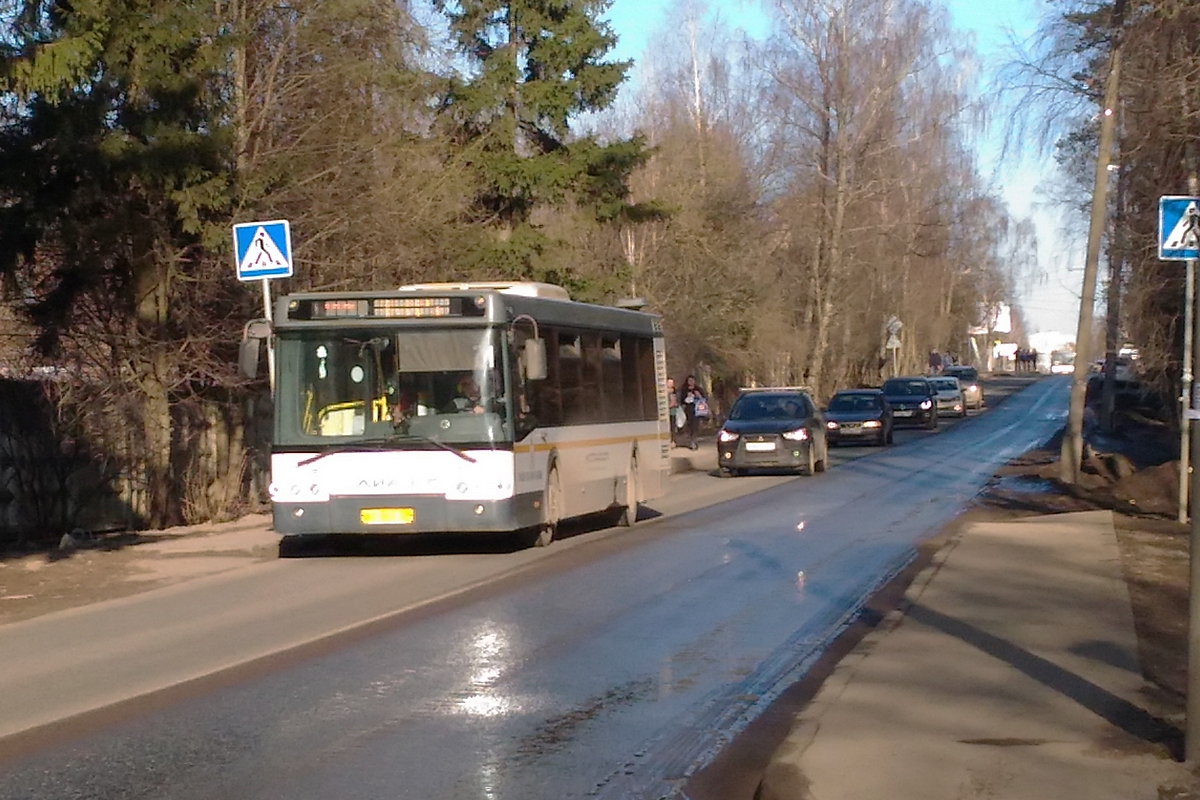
(385, 307)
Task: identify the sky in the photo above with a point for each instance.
(1052, 302)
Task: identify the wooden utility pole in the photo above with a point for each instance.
(1071, 456)
(1112, 337)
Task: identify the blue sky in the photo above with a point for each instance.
(1053, 305)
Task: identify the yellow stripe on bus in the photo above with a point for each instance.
(533, 448)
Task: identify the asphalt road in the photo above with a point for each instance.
(609, 665)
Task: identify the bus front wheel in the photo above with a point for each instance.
(551, 510)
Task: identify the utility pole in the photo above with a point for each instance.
(1071, 456)
(1112, 336)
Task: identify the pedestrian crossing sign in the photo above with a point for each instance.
(1178, 228)
(263, 250)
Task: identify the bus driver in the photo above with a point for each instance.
(466, 396)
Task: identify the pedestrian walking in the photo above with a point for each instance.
(695, 408)
(676, 418)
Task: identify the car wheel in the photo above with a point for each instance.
(810, 467)
(933, 422)
(823, 462)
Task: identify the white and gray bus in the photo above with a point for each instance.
(461, 407)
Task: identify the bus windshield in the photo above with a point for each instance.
(342, 386)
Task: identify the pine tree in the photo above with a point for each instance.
(115, 168)
(537, 64)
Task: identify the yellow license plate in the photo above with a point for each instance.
(386, 516)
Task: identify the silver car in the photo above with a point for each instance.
(950, 400)
(968, 379)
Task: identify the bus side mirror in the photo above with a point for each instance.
(535, 359)
(254, 334)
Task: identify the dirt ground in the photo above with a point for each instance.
(119, 565)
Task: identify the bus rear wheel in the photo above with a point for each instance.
(551, 510)
(629, 514)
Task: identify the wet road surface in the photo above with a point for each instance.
(607, 671)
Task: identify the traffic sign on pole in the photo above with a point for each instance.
(1178, 228)
(263, 250)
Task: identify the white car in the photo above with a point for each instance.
(968, 381)
(950, 398)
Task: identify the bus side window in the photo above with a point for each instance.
(591, 391)
(570, 379)
(612, 379)
(631, 402)
(646, 374)
(522, 394)
(546, 396)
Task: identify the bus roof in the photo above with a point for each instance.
(522, 288)
(496, 303)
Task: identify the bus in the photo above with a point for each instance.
(474, 407)
(1062, 362)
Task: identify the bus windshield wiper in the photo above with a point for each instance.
(380, 443)
(448, 447)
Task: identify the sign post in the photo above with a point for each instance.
(1179, 240)
(1178, 220)
(893, 327)
(264, 251)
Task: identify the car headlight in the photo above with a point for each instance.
(871, 423)
(727, 436)
(831, 425)
(926, 404)
(798, 435)
(972, 388)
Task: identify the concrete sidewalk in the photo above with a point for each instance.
(702, 459)
(1011, 671)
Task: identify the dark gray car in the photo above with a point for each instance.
(858, 416)
(779, 428)
(913, 401)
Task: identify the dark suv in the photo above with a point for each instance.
(913, 401)
(773, 428)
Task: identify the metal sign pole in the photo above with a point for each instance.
(1179, 240)
(266, 292)
(1192, 414)
(1185, 395)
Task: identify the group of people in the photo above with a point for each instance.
(1027, 360)
(688, 406)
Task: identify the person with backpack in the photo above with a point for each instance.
(675, 414)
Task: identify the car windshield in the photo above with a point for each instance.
(770, 406)
(965, 374)
(906, 388)
(854, 402)
(950, 384)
